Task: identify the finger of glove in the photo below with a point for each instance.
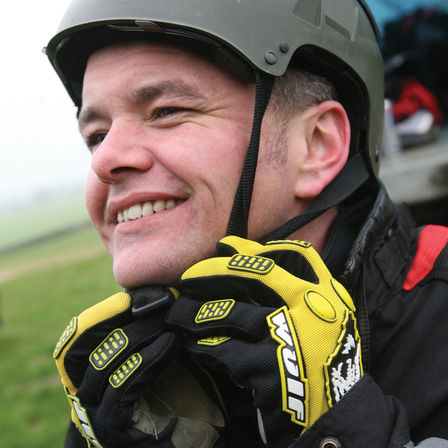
(252, 365)
(115, 349)
(223, 317)
(243, 280)
(110, 340)
(126, 384)
(140, 370)
(299, 258)
(84, 333)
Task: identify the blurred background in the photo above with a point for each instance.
(52, 264)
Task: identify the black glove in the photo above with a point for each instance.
(281, 326)
(116, 361)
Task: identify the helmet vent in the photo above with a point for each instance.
(342, 19)
(309, 12)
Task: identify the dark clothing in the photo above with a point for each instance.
(74, 439)
(404, 395)
(402, 308)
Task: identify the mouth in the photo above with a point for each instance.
(147, 208)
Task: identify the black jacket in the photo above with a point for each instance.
(398, 275)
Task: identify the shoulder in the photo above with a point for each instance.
(406, 260)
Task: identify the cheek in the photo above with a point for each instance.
(215, 156)
(95, 197)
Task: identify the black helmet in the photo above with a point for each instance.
(336, 39)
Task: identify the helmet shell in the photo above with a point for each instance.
(340, 35)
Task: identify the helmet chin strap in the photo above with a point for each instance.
(354, 174)
(240, 212)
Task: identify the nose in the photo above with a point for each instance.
(124, 150)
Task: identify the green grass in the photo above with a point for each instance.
(42, 217)
(35, 309)
(83, 237)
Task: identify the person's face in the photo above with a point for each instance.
(168, 132)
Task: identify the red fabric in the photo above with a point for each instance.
(415, 96)
(431, 241)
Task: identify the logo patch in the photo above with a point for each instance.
(292, 372)
(247, 263)
(212, 341)
(115, 343)
(215, 310)
(125, 370)
(344, 367)
(66, 336)
(82, 421)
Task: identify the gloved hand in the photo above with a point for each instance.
(116, 362)
(273, 318)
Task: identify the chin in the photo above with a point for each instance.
(131, 276)
(141, 265)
